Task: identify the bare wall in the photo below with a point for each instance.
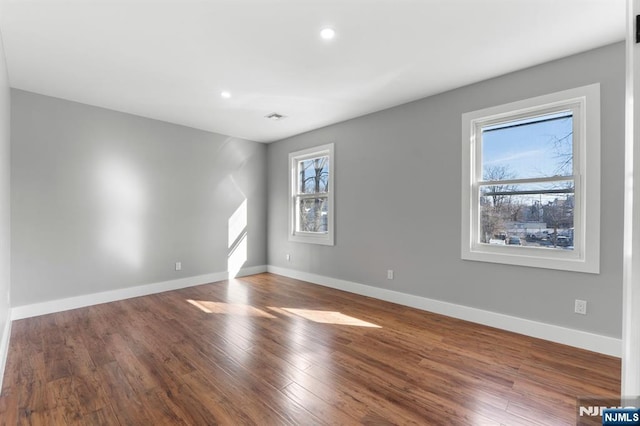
(398, 202)
(5, 201)
(103, 200)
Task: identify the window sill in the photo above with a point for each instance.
(311, 238)
(533, 257)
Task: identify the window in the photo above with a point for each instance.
(311, 200)
(531, 182)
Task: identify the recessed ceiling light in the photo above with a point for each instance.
(274, 116)
(327, 33)
(225, 94)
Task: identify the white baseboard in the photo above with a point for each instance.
(4, 347)
(59, 305)
(577, 338)
(567, 336)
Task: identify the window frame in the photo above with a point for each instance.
(585, 257)
(294, 159)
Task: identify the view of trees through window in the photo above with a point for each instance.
(312, 197)
(527, 187)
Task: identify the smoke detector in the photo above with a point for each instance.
(274, 116)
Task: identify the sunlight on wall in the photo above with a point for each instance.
(237, 223)
(237, 256)
(237, 240)
(123, 204)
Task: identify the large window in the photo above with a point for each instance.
(311, 200)
(531, 182)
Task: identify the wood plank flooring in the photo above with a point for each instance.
(269, 350)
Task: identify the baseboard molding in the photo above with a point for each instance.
(59, 305)
(4, 348)
(577, 338)
(567, 336)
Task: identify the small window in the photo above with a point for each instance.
(531, 182)
(311, 200)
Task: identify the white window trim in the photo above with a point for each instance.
(311, 237)
(586, 254)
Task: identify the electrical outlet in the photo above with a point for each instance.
(288, 256)
(581, 307)
(178, 266)
(389, 274)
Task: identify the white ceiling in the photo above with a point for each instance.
(170, 59)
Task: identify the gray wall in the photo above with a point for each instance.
(398, 202)
(5, 201)
(103, 200)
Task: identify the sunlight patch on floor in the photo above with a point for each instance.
(329, 317)
(229, 308)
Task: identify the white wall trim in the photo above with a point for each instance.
(630, 383)
(294, 158)
(577, 338)
(567, 336)
(59, 305)
(4, 348)
(584, 105)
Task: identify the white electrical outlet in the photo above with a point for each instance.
(581, 307)
(389, 274)
(178, 266)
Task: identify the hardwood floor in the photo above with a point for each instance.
(269, 350)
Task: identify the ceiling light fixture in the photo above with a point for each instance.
(327, 33)
(274, 116)
(225, 94)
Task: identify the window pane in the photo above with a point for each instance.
(313, 175)
(313, 215)
(531, 148)
(538, 215)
